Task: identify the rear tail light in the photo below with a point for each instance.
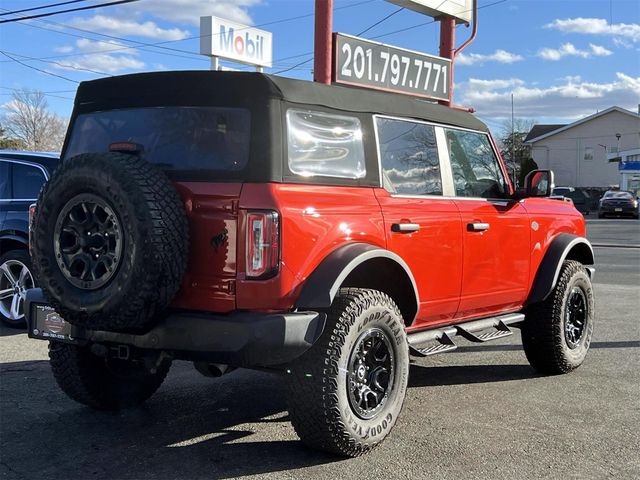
(263, 244)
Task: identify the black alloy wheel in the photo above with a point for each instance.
(575, 317)
(88, 241)
(370, 373)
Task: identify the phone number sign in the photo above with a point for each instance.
(383, 67)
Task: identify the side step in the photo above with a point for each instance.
(440, 340)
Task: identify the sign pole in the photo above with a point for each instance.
(323, 41)
(215, 63)
(447, 49)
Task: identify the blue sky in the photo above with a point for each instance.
(561, 59)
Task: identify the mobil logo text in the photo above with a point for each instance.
(234, 41)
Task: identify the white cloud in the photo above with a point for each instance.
(572, 98)
(116, 26)
(597, 26)
(96, 57)
(569, 50)
(490, 85)
(500, 56)
(100, 46)
(63, 49)
(103, 62)
(190, 11)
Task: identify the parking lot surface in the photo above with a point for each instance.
(479, 412)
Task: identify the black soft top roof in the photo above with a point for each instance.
(202, 88)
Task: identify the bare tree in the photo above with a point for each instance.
(8, 143)
(512, 148)
(27, 119)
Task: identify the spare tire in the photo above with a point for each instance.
(109, 241)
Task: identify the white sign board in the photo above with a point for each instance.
(234, 41)
(461, 10)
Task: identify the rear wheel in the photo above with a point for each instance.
(103, 383)
(557, 332)
(15, 280)
(346, 392)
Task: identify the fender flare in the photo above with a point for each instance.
(321, 287)
(564, 246)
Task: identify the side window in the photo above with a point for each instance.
(324, 144)
(475, 168)
(27, 181)
(409, 157)
(4, 180)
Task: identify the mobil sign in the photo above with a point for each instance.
(234, 41)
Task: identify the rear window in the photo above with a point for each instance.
(180, 139)
(618, 195)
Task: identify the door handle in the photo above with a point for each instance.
(405, 227)
(477, 227)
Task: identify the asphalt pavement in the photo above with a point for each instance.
(478, 413)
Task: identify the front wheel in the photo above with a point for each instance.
(557, 332)
(103, 383)
(346, 392)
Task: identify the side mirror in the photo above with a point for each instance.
(539, 183)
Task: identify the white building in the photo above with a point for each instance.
(579, 152)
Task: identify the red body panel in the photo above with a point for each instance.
(460, 274)
(315, 220)
(548, 218)
(434, 253)
(212, 211)
(496, 261)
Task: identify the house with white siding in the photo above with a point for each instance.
(579, 152)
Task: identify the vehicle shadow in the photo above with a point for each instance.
(513, 348)
(8, 331)
(431, 376)
(194, 427)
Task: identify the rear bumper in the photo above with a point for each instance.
(246, 339)
(617, 210)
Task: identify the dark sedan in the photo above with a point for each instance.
(619, 203)
(22, 174)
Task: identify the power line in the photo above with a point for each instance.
(139, 45)
(362, 32)
(51, 5)
(46, 93)
(36, 68)
(380, 21)
(63, 65)
(68, 10)
(380, 36)
(433, 21)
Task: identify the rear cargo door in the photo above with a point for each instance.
(212, 211)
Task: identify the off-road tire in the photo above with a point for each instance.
(317, 385)
(153, 231)
(543, 334)
(101, 383)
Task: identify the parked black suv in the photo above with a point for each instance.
(22, 174)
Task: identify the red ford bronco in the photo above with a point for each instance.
(324, 232)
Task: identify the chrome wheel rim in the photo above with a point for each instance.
(88, 241)
(370, 373)
(15, 280)
(575, 319)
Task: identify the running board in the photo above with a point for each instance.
(422, 344)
